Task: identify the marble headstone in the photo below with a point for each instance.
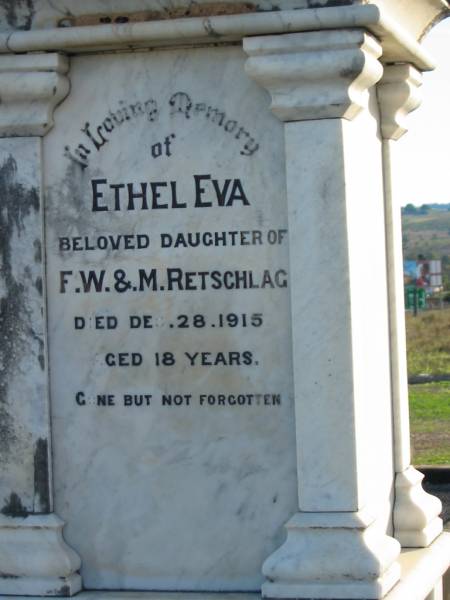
(169, 327)
(199, 389)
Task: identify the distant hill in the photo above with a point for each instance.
(426, 234)
(410, 209)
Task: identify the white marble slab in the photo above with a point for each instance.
(189, 492)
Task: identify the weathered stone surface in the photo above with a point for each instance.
(33, 556)
(198, 445)
(24, 483)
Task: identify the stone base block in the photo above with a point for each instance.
(416, 513)
(338, 590)
(34, 559)
(421, 579)
(333, 555)
(421, 538)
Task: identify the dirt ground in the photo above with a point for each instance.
(442, 491)
(426, 441)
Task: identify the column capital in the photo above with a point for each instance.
(315, 75)
(31, 85)
(398, 94)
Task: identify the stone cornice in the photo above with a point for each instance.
(399, 45)
(30, 88)
(417, 16)
(315, 75)
(398, 94)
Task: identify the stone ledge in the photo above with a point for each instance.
(398, 43)
(422, 568)
(417, 15)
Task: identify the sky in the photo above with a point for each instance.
(425, 149)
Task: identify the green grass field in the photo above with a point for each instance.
(429, 406)
(428, 342)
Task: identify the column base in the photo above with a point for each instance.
(416, 513)
(34, 559)
(40, 586)
(333, 555)
(335, 590)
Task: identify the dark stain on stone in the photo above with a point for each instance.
(329, 3)
(41, 479)
(16, 203)
(64, 590)
(353, 70)
(37, 251)
(206, 9)
(38, 285)
(14, 507)
(347, 73)
(210, 29)
(41, 361)
(19, 13)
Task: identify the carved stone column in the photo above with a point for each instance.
(33, 555)
(339, 544)
(416, 513)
